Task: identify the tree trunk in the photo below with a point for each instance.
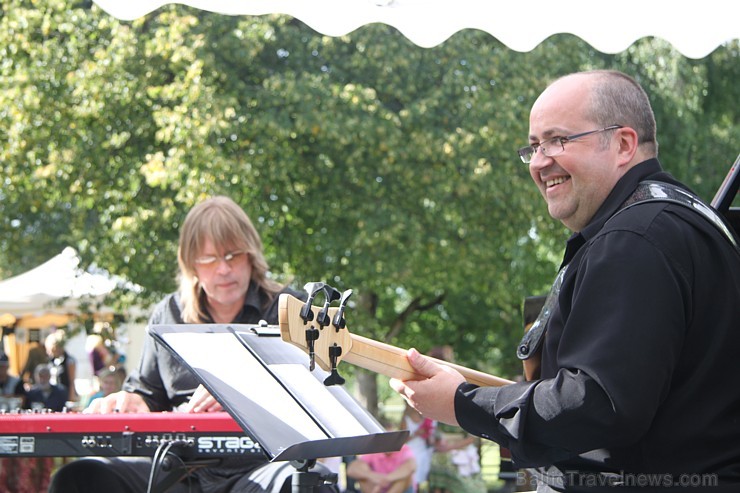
(367, 390)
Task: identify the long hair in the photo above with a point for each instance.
(220, 220)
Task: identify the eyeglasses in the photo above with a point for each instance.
(212, 260)
(556, 145)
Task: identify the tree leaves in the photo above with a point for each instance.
(366, 161)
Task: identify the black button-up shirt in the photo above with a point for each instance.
(165, 382)
(640, 368)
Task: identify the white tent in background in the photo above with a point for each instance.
(53, 292)
(693, 28)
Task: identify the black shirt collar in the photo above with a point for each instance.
(646, 170)
(254, 299)
(252, 305)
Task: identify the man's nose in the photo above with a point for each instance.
(539, 161)
(222, 265)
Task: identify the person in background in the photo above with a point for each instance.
(100, 357)
(455, 465)
(467, 461)
(111, 381)
(385, 472)
(421, 440)
(36, 356)
(223, 277)
(63, 365)
(637, 385)
(10, 385)
(43, 395)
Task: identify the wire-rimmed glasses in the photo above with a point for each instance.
(556, 145)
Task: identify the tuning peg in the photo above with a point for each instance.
(339, 321)
(312, 334)
(312, 288)
(331, 295)
(334, 378)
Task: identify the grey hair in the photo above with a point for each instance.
(617, 99)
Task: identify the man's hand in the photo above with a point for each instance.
(433, 396)
(123, 402)
(202, 402)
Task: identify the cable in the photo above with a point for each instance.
(158, 459)
(155, 466)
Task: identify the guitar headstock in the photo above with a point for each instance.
(293, 329)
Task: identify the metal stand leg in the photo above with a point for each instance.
(304, 481)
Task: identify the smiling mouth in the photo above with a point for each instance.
(556, 181)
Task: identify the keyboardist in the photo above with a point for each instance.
(223, 279)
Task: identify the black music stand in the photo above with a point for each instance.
(266, 386)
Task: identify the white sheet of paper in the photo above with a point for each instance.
(310, 389)
(233, 364)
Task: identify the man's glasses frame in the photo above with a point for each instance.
(212, 260)
(556, 145)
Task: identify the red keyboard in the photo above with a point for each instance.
(113, 435)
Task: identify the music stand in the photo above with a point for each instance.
(266, 386)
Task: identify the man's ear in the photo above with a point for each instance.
(628, 145)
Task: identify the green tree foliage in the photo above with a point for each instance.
(367, 162)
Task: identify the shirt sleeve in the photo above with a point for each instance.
(627, 306)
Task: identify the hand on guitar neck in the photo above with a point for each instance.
(433, 394)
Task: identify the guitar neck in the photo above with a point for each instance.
(391, 361)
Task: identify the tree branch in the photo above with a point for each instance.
(415, 306)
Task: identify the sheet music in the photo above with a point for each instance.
(220, 354)
(309, 389)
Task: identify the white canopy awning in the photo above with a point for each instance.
(693, 28)
(51, 291)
